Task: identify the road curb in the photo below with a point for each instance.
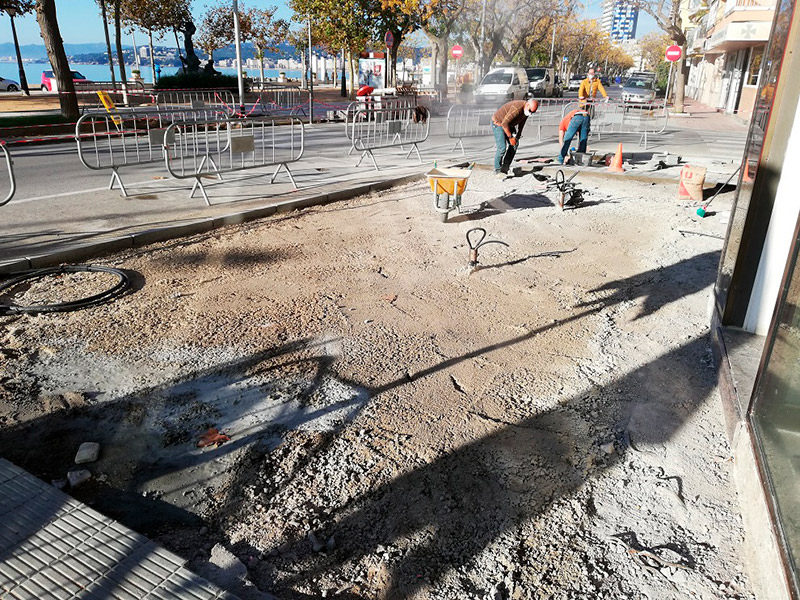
(161, 234)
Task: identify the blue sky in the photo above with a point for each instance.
(80, 21)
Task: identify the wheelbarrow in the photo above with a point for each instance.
(448, 185)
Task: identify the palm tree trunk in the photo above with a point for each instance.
(152, 58)
(108, 41)
(51, 35)
(118, 34)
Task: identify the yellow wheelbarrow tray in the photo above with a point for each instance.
(451, 181)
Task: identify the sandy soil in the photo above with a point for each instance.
(543, 426)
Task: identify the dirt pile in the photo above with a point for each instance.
(544, 426)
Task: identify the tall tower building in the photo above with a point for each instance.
(619, 19)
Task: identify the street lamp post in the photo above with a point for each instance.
(311, 76)
(552, 44)
(483, 40)
(23, 81)
(238, 37)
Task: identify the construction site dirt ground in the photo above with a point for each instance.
(546, 425)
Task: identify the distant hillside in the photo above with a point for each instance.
(37, 51)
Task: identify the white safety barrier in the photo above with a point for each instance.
(111, 141)
(12, 182)
(276, 99)
(466, 121)
(619, 118)
(194, 150)
(364, 107)
(388, 128)
(475, 120)
(180, 99)
(131, 93)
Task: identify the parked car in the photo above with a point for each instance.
(605, 81)
(49, 80)
(501, 85)
(575, 82)
(541, 81)
(8, 85)
(638, 90)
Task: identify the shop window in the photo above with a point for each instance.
(755, 66)
(776, 415)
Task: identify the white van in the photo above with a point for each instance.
(501, 85)
(541, 81)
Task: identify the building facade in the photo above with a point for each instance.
(619, 19)
(725, 48)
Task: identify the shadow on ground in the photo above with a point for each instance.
(444, 513)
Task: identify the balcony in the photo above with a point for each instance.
(732, 5)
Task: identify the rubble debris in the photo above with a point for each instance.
(87, 453)
(76, 478)
(212, 437)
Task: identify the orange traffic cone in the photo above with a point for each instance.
(616, 164)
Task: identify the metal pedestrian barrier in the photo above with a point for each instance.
(364, 108)
(389, 128)
(200, 149)
(466, 121)
(11, 185)
(180, 99)
(130, 94)
(644, 119)
(475, 120)
(112, 141)
(276, 99)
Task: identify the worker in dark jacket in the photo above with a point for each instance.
(507, 124)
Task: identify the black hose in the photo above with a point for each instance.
(117, 290)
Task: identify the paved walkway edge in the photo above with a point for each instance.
(150, 236)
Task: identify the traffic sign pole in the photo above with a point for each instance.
(672, 54)
(456, 52)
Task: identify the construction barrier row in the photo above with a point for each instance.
(475, 120)
(197, 149)
(120, 139)
(95, 95)
(644, 119)
(11, 184)
(364, 107)
(221, 100)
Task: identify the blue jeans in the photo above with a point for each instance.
(504, 152)
(578, 123)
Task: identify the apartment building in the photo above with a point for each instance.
(619, 19)
(725, 48)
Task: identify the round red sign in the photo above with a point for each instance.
(673, 53)
(457, 51)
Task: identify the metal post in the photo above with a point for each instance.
(553, 44)
(666, 95)
(136, 53)
(483, 41)
(238, 37)
(23, 81)
(311, 77)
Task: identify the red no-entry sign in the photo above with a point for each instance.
(456, 51)
(673, 53)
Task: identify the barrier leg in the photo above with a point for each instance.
(372, 156)
(458, 143)
(288, 172)
(398, 138)
(413, 148)
(115, 177)
(199, 184)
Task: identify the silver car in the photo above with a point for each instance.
(639, 90)
(7, 85)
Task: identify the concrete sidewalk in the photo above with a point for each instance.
(56, 547)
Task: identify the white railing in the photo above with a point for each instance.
(113, 141)
(374, 129)
(11, 184)
(181, 99)
(197, 149)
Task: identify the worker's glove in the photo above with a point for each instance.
(512, 141)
